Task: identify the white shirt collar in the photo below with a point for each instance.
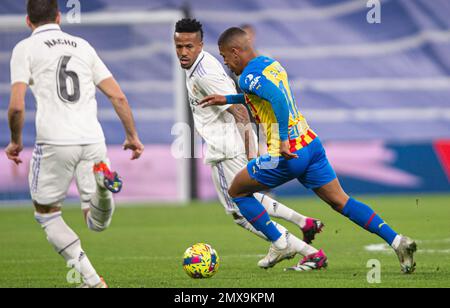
(47, 27)
(191, 71)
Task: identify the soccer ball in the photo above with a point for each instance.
(200, 261)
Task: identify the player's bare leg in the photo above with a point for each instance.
(67, 243)
(283, 243)
(365, 217)
(334, 195)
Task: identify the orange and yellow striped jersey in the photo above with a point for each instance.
(265, 84)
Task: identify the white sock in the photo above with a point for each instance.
(279, 210)
(242, 222)
(101, 210)
(67, 244)
(282, 242)
(300, 246)
(396, 242)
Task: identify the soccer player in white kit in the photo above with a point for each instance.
(63, 72)
(228, 144)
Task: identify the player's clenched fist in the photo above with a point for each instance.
(134, 145)
(12, 151)
(213, 100)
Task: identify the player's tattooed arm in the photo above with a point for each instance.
(16, 119)
(112, 90)
(242, 117)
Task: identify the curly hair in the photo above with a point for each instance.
(188, 25)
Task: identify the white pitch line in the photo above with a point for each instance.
(384, 248)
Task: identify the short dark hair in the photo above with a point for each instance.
(230, 34)
(42, 11)
(188, 25)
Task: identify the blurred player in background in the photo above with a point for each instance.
(63, 72)
(295, 151)
(227, 143)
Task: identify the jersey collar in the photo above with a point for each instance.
(47, 27)
(191, 71)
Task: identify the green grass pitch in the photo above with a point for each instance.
(144, 247)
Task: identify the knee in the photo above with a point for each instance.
(338, 204)
(47, 209)
(234, 192)
(337, 207)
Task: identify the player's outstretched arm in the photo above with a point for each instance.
(112, 90)
(16, 118)
(220, 100)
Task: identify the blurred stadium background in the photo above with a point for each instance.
(377, 94)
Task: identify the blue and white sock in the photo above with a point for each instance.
(366, 218)
(257, 215)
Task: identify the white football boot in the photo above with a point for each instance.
(405, 253)
(275, 255)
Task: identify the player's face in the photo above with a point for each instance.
(188, 46)
(231, 59)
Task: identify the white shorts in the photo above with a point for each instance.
(54, 167)
(223, 174)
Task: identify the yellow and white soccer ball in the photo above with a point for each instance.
(201, 261)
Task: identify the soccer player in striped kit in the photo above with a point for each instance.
(227, 144)
(295, 151)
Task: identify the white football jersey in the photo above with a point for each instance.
(62, 71)
(214, 124)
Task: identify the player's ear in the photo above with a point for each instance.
(235, 52)
(29, 24)
(58, 18)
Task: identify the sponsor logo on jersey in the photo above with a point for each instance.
(255, 84)
(249, 78)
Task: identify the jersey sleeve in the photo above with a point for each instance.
(99, 70)
(20, 65)
(260, 86)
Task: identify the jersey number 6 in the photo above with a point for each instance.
(62, 78)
